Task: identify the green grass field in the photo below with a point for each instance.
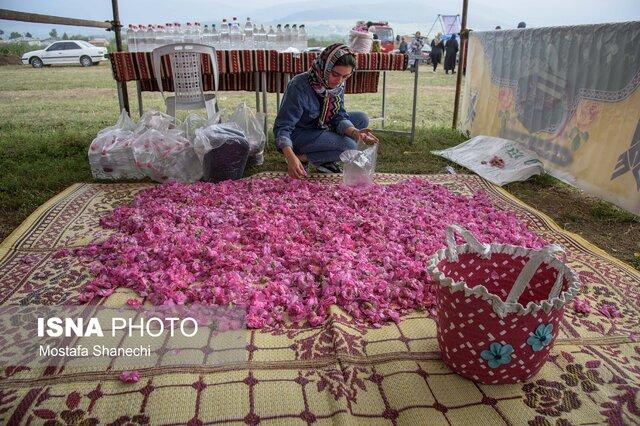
(49, 116)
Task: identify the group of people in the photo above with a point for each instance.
(438, 49)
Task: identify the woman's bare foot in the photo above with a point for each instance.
(303, 158)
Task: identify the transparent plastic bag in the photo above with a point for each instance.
(223, 150)
(252, 124)
(195, 121)
(111, 157)
(359, 164)
(124, 123)
(110, 154)
(156, 120)
(166, 156)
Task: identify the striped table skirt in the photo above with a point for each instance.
(237, 69)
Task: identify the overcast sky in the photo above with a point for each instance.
(483, 14)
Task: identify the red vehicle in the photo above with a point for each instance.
(385, 35)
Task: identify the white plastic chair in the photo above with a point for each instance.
(186, 68)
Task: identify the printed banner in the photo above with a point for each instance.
(568, 93)
(451, 24)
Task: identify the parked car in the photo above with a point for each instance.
(66, 52)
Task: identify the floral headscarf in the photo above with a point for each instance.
(319, 80)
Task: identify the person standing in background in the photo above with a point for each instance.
(436, 51)
(403, 48)
(450, 54)
(415, 54)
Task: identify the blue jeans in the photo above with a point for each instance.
(324, 146)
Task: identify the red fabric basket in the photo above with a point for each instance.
(498, 306)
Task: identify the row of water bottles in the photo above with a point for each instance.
(145, 38)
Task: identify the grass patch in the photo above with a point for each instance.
(49, 116)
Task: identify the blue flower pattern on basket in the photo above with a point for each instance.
(497, 354)
(541, 337)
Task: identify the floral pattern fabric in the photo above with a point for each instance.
(337, 372)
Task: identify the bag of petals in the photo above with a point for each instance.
(110, 153)
(359, 165)
(499, 306)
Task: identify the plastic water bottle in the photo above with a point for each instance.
(279, 38)
(287, 37)
(196, 35)
(187, 36)
(167, 37)
(160, 35)
(177, 34)
(206, 36)
(141, 38)
(304, 37)
(294, 36)
(249, 42)
(236, 34)
(262, 38)
(225, 37)
(154, 34)
(215, 37)
(131, 38)
(271, 38)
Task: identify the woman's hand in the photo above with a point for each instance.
(294, 165)
(364, 135)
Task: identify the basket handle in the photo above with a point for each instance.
(535, 260)
(478, 247)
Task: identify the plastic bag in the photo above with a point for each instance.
(111, 157)
(166, 156)
(124, 123)
(195, 121)
(498, 160)
(223, 150)
(252, 124)
(110, 154)
(359, 164)
(156, 120)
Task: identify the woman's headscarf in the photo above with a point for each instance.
(319, 80)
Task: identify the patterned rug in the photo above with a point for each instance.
(339, 373)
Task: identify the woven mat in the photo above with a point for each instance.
(338, 373)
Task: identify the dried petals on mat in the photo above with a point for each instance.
(130, 376)
(284, 248)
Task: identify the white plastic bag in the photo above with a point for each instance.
(166, 156)
(252, 124)
(110, 154)
(111, 157)
(498, 160)
(156, 120)
(359, 164)
(222, 150)
(124, 123)
(195, 121)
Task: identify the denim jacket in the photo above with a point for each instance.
(300, 109)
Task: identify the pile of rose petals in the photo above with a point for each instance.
(289, 249)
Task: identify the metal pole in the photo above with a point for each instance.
(415, 102)
(384, 97)
(264, 100)
(139, 93)
(115, 26)
(257, 81)
(278, 88)
(434, 24)
(464, 34)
